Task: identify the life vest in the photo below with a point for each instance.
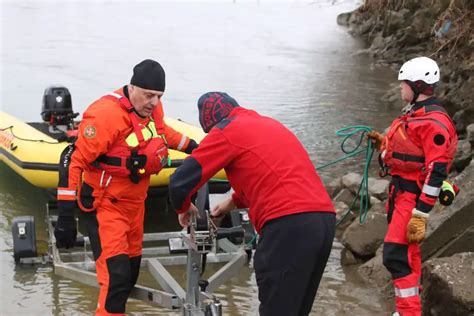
(401, 153)
(142, 153)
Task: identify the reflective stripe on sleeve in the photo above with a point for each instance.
(67, 192)
(430, 190)
(118, 96)
(182, 142)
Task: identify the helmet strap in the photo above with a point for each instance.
(418, 87)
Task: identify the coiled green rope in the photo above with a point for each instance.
(363, 191)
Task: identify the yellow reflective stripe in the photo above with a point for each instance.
(147, 131)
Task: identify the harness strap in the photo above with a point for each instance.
(408, 158)
(398, 184)
(98, 201)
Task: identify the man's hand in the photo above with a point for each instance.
(223, 207)
(376, 138)
(416, 229)
(447, 193)
(65, 231)
(184, 218)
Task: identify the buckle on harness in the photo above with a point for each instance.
(383, 171)
(136, 164)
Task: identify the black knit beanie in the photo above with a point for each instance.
(149, 75)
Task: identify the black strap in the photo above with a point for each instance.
(134, 164)
(393, 191)
(407, 157)
(400, 184)
(112, 161)
(406, 185)
(383, 172)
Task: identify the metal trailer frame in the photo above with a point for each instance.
(201, 245)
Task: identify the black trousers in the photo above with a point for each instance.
(290, 261)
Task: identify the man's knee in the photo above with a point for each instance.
(395, 259)
(119, 283)
(134, 270)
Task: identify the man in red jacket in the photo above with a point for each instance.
(271, 174)
(417, 151)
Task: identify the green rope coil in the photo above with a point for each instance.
(363, 191)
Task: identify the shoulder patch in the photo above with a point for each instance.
(223, 124)
(89, 132)
(439, 139)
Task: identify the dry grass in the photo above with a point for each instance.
(381, 6)
(459, 39)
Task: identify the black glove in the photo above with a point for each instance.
(65, 230)
(191, 146)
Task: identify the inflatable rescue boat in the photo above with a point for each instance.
(33, 150)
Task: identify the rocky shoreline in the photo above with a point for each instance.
(396, 31)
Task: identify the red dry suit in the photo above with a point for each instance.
(116, 152)
(418, 150)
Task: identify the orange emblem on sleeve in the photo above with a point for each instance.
(89, 131)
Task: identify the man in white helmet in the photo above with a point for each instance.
(417, 152)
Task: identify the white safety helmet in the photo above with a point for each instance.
(420, 68)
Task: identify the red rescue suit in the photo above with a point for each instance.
(418, 150)
(110, 166)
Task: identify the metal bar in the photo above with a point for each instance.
(230, 269)
(148, 251)
(193, 271)
(181, 260)
(164, 278)
(161, 298)
(84, 265)
(162, 236)
(227, 246)
(72, 272)
(152, 236)
(36, 260)
(143, 293)
(165, 261)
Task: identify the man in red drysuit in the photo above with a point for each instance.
(417, 151)
(271, 174)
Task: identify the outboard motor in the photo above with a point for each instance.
(57, 109)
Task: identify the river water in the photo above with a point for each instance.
(286, 59)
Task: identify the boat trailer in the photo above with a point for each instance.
(202, 243)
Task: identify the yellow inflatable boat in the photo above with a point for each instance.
(32, 150)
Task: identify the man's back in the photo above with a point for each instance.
(271, 171)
